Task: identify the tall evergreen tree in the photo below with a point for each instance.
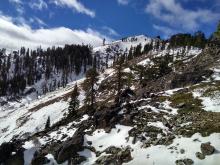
(74, 103)
(140, 70)
(119, 78)
(89, 87)
(217, 33)
(130, 53)
(47, 123)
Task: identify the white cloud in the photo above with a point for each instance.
(75, 6)
(167, 32)
(123, 2)
(13, 36)
(18, 5)
(38, 4)
(39, 21)
(173, 13)
(110, 31)
(15, 1)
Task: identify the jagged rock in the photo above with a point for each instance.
(77, 159)
(70, 147)
(182, 151)
(112, 150)
(6, 150)
(107, 117)
(184, 162)
(126, 95)
(108, 129)
(127, 120)
(117, 157)
(124, 155)
(39, 158)
(200, 155)
(207, 148)
(89, 143)
(106, 160)
(188, 78)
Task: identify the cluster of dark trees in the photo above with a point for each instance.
(25, 68)
(139, 50)
(126, 39)
(181, 40)
(216, 34)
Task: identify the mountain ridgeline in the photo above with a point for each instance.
(41, 71)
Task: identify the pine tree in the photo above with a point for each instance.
(89, 87)
(74, 103)
(47, 123)
(140, 70)
(119, 79)
(217, 33)
(130, 53)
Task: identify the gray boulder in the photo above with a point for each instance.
(70, 147)
(207, 148)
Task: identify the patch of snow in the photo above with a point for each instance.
(210, 103)
(160, 154)
(53, 161)
(102, 140)
(158, 124)
(146, 62)
(90, 156)
(172, 91)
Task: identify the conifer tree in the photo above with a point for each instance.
(89, 87)
(217, 33)
(130, 53)
(119, 79)
(140, 70)
(47, 123)
(74, 103)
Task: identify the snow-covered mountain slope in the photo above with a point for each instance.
(30, 113)
(126, 43)
(165, 126)
(109, 52)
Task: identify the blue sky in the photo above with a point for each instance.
(111, 19)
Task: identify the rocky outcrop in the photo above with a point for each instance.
(184, 162)
(200, 155)
(70, 147)
(207, 148)
(39, 158)
(107, 117)
(189, 78)
(117, 156)
(12, 153)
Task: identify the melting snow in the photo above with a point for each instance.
(102, 140)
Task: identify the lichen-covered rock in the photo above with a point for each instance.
(207, 148)
(112, 150)
(70, 147)
(200, 155)
(184, 162)
(117, 156)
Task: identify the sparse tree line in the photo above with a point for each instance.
(182, 40)
(122, 80)
(25, 68)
